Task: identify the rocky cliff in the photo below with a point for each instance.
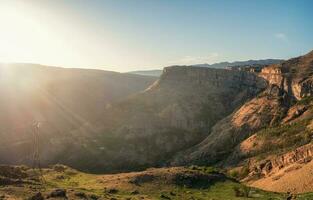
(288, 83)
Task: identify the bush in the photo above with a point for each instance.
(240, 173)
(234, 174)
(242, 191)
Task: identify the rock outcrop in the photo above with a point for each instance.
(288, 172)
(272, 164)
(293, 76)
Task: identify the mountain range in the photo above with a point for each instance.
(263, 62)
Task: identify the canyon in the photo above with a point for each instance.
(238, 119)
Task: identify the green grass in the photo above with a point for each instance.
(73, 180)
(217, 191)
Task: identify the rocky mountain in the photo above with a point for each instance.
(265, 136)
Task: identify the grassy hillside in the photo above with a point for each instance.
(163, 183)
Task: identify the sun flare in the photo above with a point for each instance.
(26, 37)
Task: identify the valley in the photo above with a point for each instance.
(253, 127)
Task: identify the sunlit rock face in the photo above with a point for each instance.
(288, 83)
(273, 75)
(293, 76)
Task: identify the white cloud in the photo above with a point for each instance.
(281, 36)
(190, 60)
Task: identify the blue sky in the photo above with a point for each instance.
(125, 35)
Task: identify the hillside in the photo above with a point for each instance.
(61, 99)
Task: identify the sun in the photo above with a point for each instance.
(24, 37)
(16, 31)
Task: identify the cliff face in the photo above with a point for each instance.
(288, 83)
(204, 94)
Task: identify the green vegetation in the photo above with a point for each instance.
(162, 184)
(284, 137)
(242, 191)
(240, 173)
(218, 191)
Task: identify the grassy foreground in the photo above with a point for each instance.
(177, 183)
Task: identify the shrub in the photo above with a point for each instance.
(242, 191)
(234, 174)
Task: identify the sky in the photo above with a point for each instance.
(127, 35)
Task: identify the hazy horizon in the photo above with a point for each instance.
(145, 35)
(135, 69)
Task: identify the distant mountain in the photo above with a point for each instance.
(241, 63)
(155, 73)
(264, 62)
